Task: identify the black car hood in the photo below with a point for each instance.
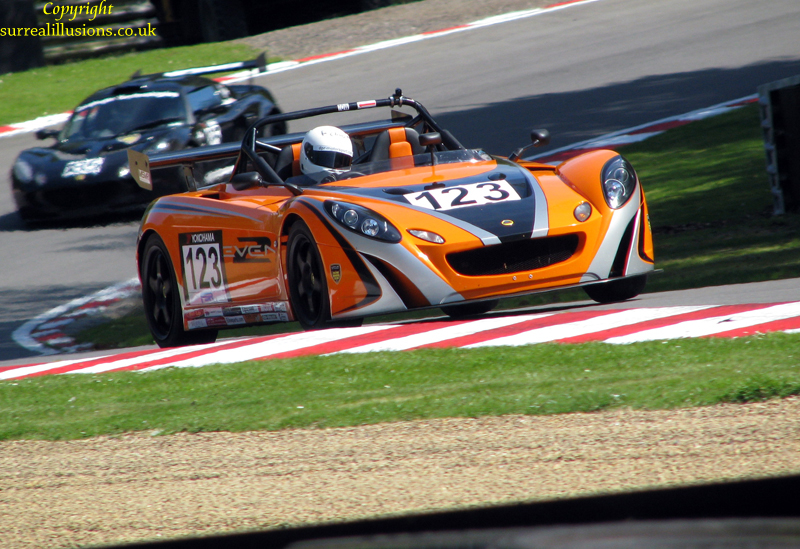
(98, 147)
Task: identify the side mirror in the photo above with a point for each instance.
(45, 134)
(431, 140)
(247, 180)
(538, 138)
(428, 139)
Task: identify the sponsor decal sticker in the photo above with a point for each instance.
(212, 132)
(144, 176)
(88, 166)
(203, 267)
(196, 313)
(243, 310)
(198, 323)
(366, 104)
(256, 249)
(464, 196)
(217, 321)
(336, 272)
(343, 107)
(274, 317)
(235, 320)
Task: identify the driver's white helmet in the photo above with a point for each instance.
(326, 150)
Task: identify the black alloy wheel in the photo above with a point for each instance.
(162, 301)
(470, 309)
(308, 288)
(616, 290)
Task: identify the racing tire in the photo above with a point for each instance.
(308, 286)
(162, 300)
(278, 128)
(470, 309)
(617, 290)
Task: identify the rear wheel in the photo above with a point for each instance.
(162, 302)
(616, 290)
(470, 309)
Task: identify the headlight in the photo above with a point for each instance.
(619, 180)
(582, 211)
(23, 171)
(427, 235)
(362, 221)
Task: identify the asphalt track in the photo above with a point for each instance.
(582, 72)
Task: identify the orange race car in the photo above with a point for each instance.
(369, 218)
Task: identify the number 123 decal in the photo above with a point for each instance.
(204, 279)
(463, 196)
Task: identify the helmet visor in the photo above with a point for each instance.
(330, 159)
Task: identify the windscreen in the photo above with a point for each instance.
(125, 113)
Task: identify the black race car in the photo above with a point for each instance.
(85, 173)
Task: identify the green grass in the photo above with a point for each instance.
(58, 88)
(345, 390)
(711, 206)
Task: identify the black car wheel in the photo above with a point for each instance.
(470, 309)
(616, 290)
(308, 288)
(162, 301)
(278, 128)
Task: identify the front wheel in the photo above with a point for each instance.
(162, 302)
(470, 309)
(616, 290)
(308, 286)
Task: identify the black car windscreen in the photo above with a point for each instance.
(125, 113)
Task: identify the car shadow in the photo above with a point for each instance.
(12, 222)
(588, 113)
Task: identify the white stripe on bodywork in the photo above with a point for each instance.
(713, 325)
(588, 326)
(442, 334)
(603, 260)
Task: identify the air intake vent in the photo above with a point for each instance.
(514, 257)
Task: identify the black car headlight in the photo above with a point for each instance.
(23, 171)
(619, 181)
(362, 221)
